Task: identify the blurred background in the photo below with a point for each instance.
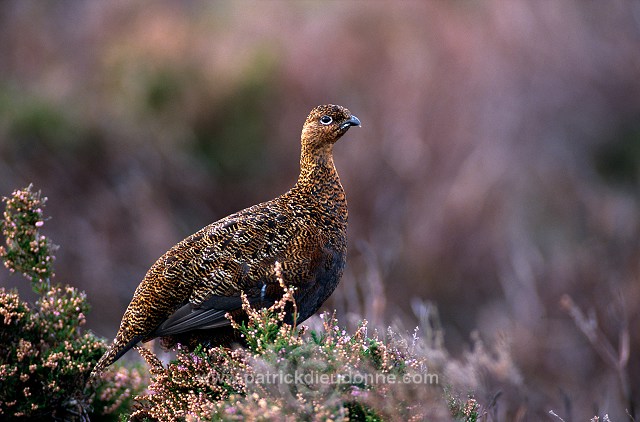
(497, 169)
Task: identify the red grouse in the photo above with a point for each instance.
(189, 290)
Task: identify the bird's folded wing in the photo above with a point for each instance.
(208, 315)
(233, 255)
(230, 255)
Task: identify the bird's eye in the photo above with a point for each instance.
(326, 120)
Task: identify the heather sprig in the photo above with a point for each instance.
(27, 251)
(266, 326)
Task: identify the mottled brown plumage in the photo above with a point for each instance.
(187, 292)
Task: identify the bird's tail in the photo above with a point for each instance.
(115, 352)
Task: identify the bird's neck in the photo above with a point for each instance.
(319, 186)
(317, 168)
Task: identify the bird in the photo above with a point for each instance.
(188, 292)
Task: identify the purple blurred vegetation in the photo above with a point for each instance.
(496, 175)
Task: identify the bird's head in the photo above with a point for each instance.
(325, 125)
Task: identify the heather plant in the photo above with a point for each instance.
(287, 372)
(46, 356)
(464, 409)
(27, 251)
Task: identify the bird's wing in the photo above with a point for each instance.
(234, 255)
(210, 314)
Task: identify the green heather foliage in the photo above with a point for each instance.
(46, 356)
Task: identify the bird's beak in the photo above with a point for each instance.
(352, 121)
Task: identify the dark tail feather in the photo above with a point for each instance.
(114, 353)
